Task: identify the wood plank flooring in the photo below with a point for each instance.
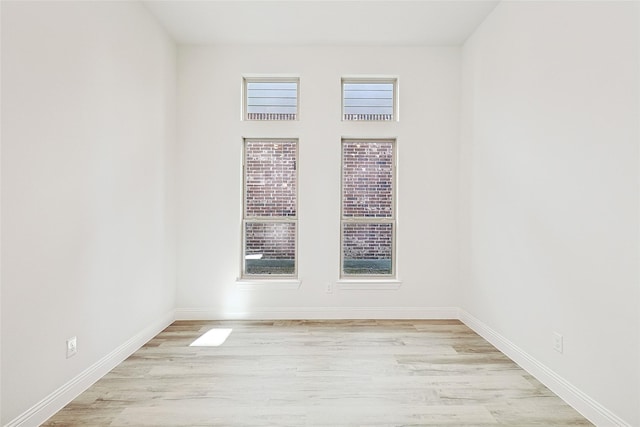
(319, 373)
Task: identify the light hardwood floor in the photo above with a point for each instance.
(320, 373)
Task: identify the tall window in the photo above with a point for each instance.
(271, 99)
(368, 99)
(368, 218)
(270, 208)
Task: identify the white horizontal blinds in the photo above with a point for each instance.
(368, 100)
(272, 100)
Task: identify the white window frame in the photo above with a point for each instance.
(393, 220)
(266, 278)
(268, 79)
(370, 80)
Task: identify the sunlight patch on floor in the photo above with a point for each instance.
(212, 338)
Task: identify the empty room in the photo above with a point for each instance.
(323, 213)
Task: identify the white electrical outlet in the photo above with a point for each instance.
(72, 347)
(329, 288)
(557, 342)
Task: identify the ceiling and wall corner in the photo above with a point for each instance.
(321, 23)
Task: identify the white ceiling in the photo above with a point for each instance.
(321, 22)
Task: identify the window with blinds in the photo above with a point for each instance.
(368, 99)
(271, 99)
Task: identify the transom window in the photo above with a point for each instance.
(271, 99)
(270, 208)
(368, 99)
(368, 218)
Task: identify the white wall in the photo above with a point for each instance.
(546, 219)
(210, 191)
(88, 122)
(550, 161)
(0, 230)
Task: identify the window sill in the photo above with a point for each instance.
(267, 284)
(368, 284)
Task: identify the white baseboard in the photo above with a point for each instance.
(57, 400)
(588, 407)
(293, 313)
